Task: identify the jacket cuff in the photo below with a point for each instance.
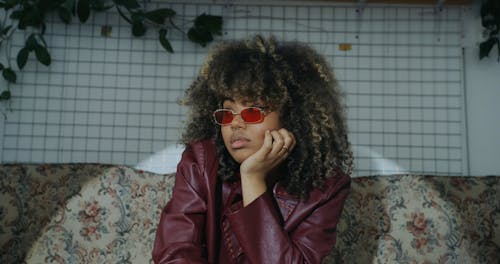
(265, 202)
(258, 227)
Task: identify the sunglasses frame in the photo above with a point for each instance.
(262, 111)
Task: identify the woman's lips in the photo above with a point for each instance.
(239, 143)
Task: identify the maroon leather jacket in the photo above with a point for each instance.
(205, 222)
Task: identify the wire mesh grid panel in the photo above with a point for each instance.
(113, 98)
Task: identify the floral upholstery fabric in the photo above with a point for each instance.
(79, 213)
(94, 213)
(420, 219)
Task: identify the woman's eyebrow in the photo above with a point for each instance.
(228, 101)
(258, 103)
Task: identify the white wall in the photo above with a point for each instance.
(482, 88)
(483, 115)
(482, 96)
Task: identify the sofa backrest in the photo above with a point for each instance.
(79, 213)
(94, 213)
(420, 219)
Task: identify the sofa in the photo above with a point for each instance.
(102, 213)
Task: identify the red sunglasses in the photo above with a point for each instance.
(250, 115)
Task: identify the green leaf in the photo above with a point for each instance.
(487, 18)
(47, 5)
(486, 46)
(204, 28)
(1, 67)
(31, 16)
(9, 75)
(42, 55)
(43, 27)
(211, 23)
(31, 42)
(43, 40)
(5, 95)
(164, 41)
(6, 30)
(22, 57)
(200, 36)
(158, 16)
(99, 5)
(498, 49)
(16, 14)
(138, 29)
(129, 4)
(56, 3)
(70, 5)
(8, 4)
(83, 9)
(137, 16)
(64, 14)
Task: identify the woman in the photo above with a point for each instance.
(266, 168)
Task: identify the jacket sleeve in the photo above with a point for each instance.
(180, 234)
(264, 239)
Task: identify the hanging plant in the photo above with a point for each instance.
(490, 19)
(32, 14)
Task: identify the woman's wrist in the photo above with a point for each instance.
(252, 188)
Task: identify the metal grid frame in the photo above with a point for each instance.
(114, 99)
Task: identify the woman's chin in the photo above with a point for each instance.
(240, 155)
(240, 158)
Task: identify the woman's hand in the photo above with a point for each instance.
(254, 170)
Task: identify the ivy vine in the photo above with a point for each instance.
(490, 20)
(31, 15)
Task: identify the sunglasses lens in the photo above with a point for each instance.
(223, 116)
(251, 115)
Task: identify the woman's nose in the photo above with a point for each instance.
(237, 121)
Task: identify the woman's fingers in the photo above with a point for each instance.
(278, 142)
(283, 143)
(267, 146)
(288, 139)
(275, 149)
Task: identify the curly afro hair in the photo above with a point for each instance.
(289, 77)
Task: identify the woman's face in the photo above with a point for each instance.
(242, 139)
